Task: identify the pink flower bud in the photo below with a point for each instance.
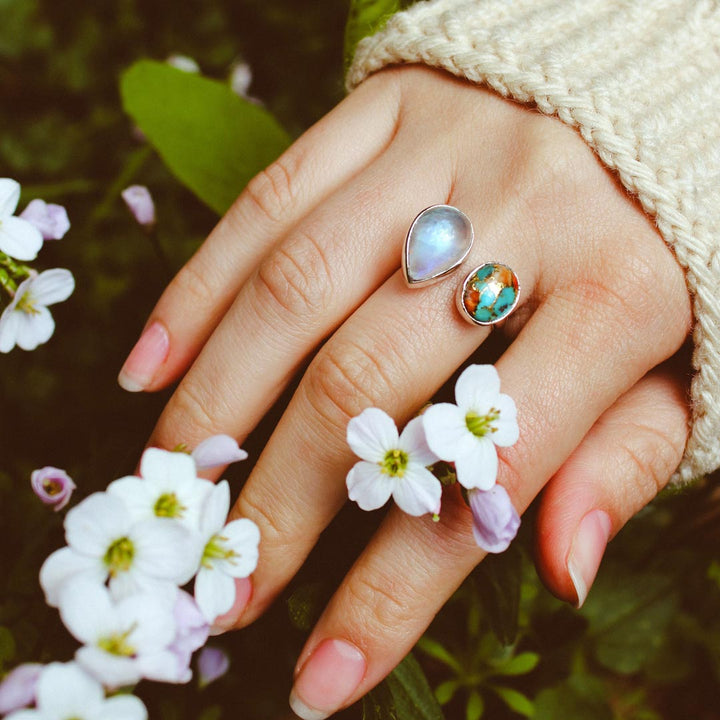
(141, 205)
(17, 690)
(53, 486)
(213, 663)
(51, 220)
(240, 78)
(495, 520)
(217, 450)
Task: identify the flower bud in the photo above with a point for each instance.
(141, 205)
(495, 520)
(51, 220)
(216, 451)
(213, 663)
(53, 486)
(17, 690)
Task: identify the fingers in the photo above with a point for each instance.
(411, 567)
(303, 289)
(623, 462)
(338, 147)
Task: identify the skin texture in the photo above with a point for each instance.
(311, 252)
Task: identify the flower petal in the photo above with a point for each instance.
(136, 495)
(64, 564)
(120, 707)
(216, 451)
(9, 324)
(495, 520)
(149, 621)
(213, 663)
(166, 550)
(19, 239)
(53, 286)
(34, 329)
(166, 666)
(368, 486)
(51, 220)
(215, 511)
(476, 463)
(214, 593)
(445, 429)
(418, 492)
(64, 690)
(17, 689)
(87, 610)
(371, 434)
(477, 388)
(506, 426)
(162, 467)
(113, 671)
(414, 443)
(92, 525)
(242, 537)
(9, 196)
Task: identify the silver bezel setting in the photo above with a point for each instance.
(461, 294)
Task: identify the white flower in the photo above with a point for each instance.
(183, 62)
(140, 203)
(19, 238)
(105, 541)
(65, 691)
(168, 487)
(391, 465)
(26, 321)
(467, 433)
(123, 641)
(230, 551)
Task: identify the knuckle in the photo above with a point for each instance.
(384, 599)
(193, 285)
(272, 191)
(295, 278)
(342, 382)
(191, 406)
(262, 511)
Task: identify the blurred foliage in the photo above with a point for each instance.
(646, 645)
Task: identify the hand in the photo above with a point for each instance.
(311, 250)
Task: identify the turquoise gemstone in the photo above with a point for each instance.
(489, 294)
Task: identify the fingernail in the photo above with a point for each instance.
(243, 593)
(328, 678)
(587, 550)
(145, 358)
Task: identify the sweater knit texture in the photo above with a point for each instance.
(640, 80)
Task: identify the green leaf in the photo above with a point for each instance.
(445, 692)
(475, 706)
(367, 17)
(7, 645)
(212, 140)
(498, 579)
(411, 692)
(520, 665)
(579, 698)
(439, 652)
(305, 605)
(629, 616)
(516, 701)
(378, 704)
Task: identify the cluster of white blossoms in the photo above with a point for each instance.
(464, 434)
(122, 583)
(26, 322)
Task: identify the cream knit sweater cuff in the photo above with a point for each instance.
(640, 79)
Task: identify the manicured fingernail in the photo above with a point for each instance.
(243, 593)
(587, 550)
(146, 357)
(327, 679)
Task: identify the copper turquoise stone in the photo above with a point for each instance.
(489, 294)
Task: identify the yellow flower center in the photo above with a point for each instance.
(394, 463)
(481, 425)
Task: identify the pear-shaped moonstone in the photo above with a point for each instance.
(438, 241)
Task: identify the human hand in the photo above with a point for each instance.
(311, 250)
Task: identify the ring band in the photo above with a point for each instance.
(489, 294)
(437, 242)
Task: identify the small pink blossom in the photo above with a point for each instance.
(495, 520)
(50, 219)
(17, 690)
(216, 451)
(191, 629)
(213, 663)
(140, 203)
(53, 486)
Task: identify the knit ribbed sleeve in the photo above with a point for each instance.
(640, 79)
